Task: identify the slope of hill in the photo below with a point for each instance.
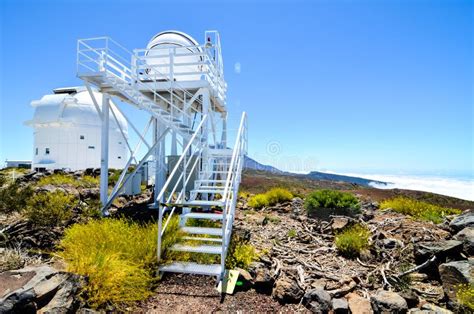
(252, 164)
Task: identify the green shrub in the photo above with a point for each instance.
(418, 209)
(352, 240)
(50, 208)
(117, 256)
(327, 202)
(465, 296)
(13, 197)
(58, 179)
(271, 197)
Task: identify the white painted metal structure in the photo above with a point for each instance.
(67, 131)
(181, 85)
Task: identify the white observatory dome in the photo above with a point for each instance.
(68, 131)
(164, 43)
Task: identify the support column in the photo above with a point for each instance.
(104, 154)
(160, 160)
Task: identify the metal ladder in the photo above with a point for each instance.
(220, 175)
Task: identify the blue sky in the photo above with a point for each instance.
(361, 86)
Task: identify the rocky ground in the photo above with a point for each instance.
(411, 266)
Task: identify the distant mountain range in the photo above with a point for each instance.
(250, 163)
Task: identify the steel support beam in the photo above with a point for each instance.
(104, 154)
(160, 159)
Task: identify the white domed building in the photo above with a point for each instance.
(67, 132)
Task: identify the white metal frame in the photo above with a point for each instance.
(191, 112)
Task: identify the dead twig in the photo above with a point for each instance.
(417, 268)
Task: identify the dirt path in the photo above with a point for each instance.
(189, 293)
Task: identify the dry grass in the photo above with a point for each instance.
(118, 257)
(271, 197)
(59, 179)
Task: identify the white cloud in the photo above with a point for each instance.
(460, 188)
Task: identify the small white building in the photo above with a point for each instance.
(67, 132)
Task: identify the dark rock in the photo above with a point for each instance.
(38, 288)
(263, 280)
(287, 290)
(89, 193)
(445, 251)
(340, 306)
(388, 302)
(454, 274)
(462, 221)
(317, 301)
(466, 235)
(391, 243)
(411, 298)
(431, 308)
(358, 304)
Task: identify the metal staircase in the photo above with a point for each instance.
(204, 182)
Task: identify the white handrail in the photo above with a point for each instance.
(171, 178)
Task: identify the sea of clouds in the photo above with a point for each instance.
(457, 187)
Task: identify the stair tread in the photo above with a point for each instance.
(203, 203)
(203, 239)
(211, 216)
(211, 181)
(208, 191)
(203, 230)
(192, 268)
(208, 249)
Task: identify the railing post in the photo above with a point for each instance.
(102, 62)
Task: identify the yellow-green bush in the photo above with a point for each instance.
(50, 208)
(352, 240)
(117, 256)
(241, 254)
(418, 209)
(258, 201)
(278, 195)
(465, 296)
(271, 197)
(59, 179)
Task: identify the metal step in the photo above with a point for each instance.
(207, 249)
(211, 191)
(211, 181)
(214, 172)
(210, 216)
(203, 230)
(203, 203)
(203, 239)
(192, 268)
(216, 187)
